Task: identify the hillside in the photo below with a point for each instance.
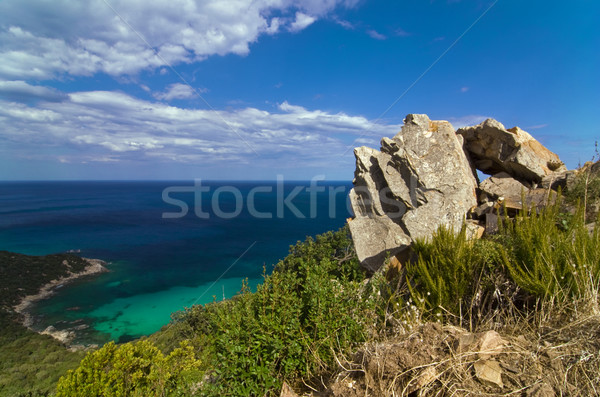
(31, 363)
(322, 326)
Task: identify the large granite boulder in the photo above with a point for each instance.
(419, 180)
(494, 149)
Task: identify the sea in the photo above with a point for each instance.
(168, 245)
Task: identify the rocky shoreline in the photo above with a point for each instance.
(95, 266)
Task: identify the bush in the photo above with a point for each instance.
(452, 274)
(303, 315)
(132, 369)
(552, 259)
(547, 256)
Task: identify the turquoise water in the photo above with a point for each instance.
(157, 265)
(145, 313)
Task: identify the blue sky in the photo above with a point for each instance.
(252, 89)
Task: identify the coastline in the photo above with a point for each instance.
(94, 267)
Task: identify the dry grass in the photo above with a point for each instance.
(427, 362)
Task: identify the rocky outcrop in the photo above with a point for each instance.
(510, 193)
(501, 185)
(495, 149)
(419, 180)
(424, 177)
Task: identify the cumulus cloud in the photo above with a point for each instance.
(302, 21)
(117, 126)
(20, 91)
(178, 91)
(40, 40)
(367, 142)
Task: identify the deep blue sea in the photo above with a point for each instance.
(168, 244)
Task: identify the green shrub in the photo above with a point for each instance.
(584, 190)
(132, 369)
(543, 257)
(30, 363)
(303, 315)
(452, 274)
(552, 257)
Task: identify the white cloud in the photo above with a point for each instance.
(40, 40)
(119, 127)
(367, 142)
(376, 35)
(273, 26)
(464, 89)
(20, 91)
(302, 21)
(343, 23)
(178, 91)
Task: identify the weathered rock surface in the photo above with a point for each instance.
(509, 193)
(558, 180)
(501, 185)
(488, 371)
(495, 149)
(424, 177)
(420, 179)
(64, 336)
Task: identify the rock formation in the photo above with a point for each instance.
(495, 149)
(419, 180)
(424, 177)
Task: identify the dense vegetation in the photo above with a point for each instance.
(137, 368)
(534, 260)
(30, 363)
(24, 275)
